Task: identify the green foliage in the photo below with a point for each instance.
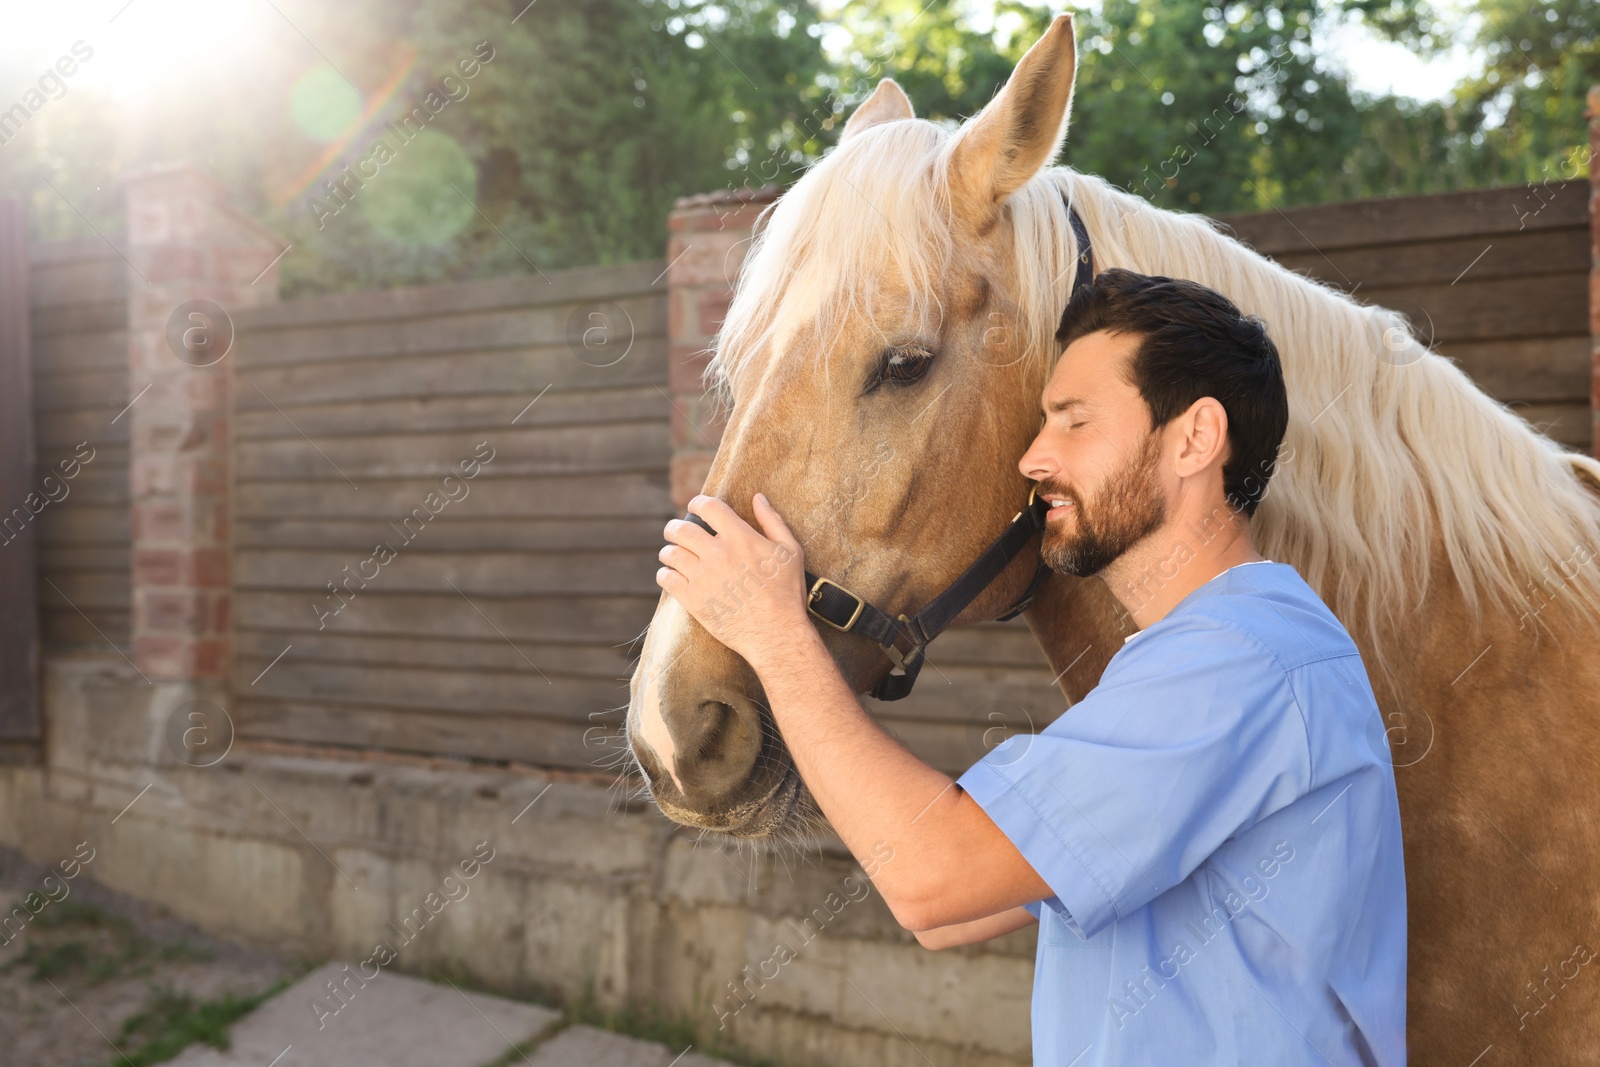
(569, 146)
(75, 939)
(173, 1020)
(1523, 116)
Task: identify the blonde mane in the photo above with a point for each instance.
(1390, 450)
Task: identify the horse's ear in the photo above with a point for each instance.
(1018, 131)
(887, 102)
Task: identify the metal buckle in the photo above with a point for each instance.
(904, 662)
(1032, 492)
(816, 593)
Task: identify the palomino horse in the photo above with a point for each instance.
(906, 291)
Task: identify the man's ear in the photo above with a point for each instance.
(887, 103)
(1204, 437)
(1017, 132)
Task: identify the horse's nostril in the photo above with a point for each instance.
(718, 746)
(718, 717)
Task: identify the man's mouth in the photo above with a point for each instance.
(1059, 505)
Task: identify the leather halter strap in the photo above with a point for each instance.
(851, 613)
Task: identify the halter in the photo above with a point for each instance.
(851, 613)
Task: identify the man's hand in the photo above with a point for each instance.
(747, 590)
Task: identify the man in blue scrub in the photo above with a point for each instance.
(1210, 839)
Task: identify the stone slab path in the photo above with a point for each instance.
(395, 1020)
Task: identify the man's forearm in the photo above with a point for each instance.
(874, 792)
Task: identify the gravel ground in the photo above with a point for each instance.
(79, 960)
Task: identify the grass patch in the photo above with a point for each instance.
(173, 1021)
(74, 939)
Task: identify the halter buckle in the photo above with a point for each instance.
(904, 660)
(1033, 491)
(815, 594)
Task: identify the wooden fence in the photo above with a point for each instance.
(501, 626)
(80, 381)
(1497, 279)
(383, 598)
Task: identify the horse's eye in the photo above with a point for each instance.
(904, 364)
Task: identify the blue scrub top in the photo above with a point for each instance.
(1218, 821)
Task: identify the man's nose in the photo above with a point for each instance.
(1034, 465)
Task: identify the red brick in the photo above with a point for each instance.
(209, 568)
(174, 658)
(209, 658)
(182, 614)
(221, 612)
(159, 520)
(159, 657)
(713, 308)
(156, 567)
(695, 423)
(206, 475)
(171, 263)
(685, 365)
(220, 526)
(688, 475)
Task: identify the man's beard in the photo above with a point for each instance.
(1128, 507)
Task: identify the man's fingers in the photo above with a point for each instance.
(772, 523)
(691, 536)
(721, 517)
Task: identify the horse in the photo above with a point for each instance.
(906, 289)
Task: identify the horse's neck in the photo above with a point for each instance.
(1079, 625)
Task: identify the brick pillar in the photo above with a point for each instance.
(707, 238)
(193, 261)
(1592, 113)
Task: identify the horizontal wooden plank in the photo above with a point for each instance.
(518, 450)
(60, 432)
(78, 281)
(256, 649)
(985, 694)
(95, 390)
(100, 318)
(630, 495)
(998, 644)
(554, 287)
(584, 619)
(1516, 255)
(1572, 424)
(422, 414)
(459, 534)
(584, 734)
(401, 686)
(513, 373)
(1394, 220)
(87, 591)
(103, 482)
(55, 558)
(63, 626)
(575, 745)
(954, 692)
(1538, 369)
(626, 319)
(106, 351)
(77, 522)
(477, 574)
(69, 249)
(1480, 311)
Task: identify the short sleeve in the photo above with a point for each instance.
(1192, 736)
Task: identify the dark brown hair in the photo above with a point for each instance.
(1194, 342)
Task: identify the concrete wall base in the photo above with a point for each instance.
(576, 889)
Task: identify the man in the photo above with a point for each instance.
(1210, 839)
